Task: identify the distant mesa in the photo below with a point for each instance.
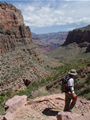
(50, 41)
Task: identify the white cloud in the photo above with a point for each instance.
(65, 5)
(58, 12)
(29, 8)
(69, 29)
(43, 14)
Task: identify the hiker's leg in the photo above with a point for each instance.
(72, 105)
(67, 102)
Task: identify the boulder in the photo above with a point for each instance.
(64, 116)
(8, 116)
(13, 105)
(1, 117)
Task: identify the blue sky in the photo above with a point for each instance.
(46, 16)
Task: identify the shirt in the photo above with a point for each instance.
(71, 84)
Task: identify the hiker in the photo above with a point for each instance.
(70, 96)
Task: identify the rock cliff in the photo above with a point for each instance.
(14, 34)
(80, 36)
(10, 16)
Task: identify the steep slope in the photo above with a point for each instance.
(21, 60)
(77, 41)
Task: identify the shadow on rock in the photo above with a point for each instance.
(50, 112)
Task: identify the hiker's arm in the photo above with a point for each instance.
(72, 92)
(73, 95)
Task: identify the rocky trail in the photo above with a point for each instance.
(47, 109)
(43, 108)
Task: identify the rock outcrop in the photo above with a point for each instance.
(79, 36)
(13, 105)
(14, 39)
(77, 42)
(65, 116)
(14, 33)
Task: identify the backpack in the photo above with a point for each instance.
(64, 85)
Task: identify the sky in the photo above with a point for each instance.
(47, 16)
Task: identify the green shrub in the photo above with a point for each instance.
(21, 92)
(10, 93)
(49, 78)
(87, 96)
(35, 84)
(88, 80)
(3, 93)
(42, 82)
(1, 99)
(2, 110)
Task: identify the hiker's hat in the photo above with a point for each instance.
(72, 72)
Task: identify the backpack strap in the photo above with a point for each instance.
(67, 77)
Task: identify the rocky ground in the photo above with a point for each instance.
(49, 107)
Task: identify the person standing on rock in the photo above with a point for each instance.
(70, 96)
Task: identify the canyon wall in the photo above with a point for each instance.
(14, 34)
(79, 36)
(20, 57)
